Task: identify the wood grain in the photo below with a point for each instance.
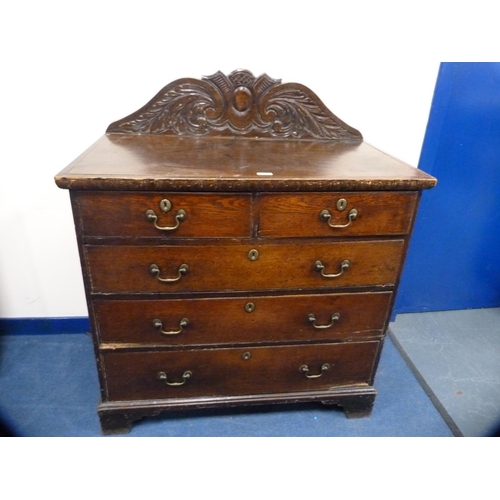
(125, 268)
(238, 104)
(107, 214)
(252, 163)
(298, 215)
(224, 372)
(172, 163)
(225, 320)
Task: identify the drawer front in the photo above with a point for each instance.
(235, 371)
(135, 269)
(137, 215)
(294, 318)
(350, 214)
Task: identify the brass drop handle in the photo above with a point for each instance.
(305, 370)
(158, 324)
(320, 268)
(180, 216)
(155, 270)
(325, 216)
(163, 376)
(312, 319)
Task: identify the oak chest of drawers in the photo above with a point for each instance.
(240, 245)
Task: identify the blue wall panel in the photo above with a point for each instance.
(43, 326)
(454, 257)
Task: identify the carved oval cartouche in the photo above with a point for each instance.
(242, 99)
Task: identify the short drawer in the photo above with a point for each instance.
(198, 268)
(163, 215)
(236, 371)
(294, 318)
(336, 214)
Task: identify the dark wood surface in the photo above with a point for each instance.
(137, 162)
(298, 215)
(250, 164)
(126, 268)
(276, 215)
(214, 321)
(124, 215)
(238, 104)
(226, 372)
(116, 417)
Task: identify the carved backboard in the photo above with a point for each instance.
(238, 104)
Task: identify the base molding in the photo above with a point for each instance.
(117, 417)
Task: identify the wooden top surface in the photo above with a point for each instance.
(176, 163)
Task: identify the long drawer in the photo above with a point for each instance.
(235, 371)
(295, 318)
(197, 268)
(167, 215)
(336, 214)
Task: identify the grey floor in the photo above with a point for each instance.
(456, 357)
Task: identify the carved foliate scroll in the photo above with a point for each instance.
(236, 104)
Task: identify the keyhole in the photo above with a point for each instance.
(249, 307)
(341, 204)
(165, 205)
(253, 255)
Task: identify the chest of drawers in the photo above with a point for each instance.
(240, 245)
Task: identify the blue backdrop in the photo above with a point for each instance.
(454, 257)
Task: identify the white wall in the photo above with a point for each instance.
(70, 69)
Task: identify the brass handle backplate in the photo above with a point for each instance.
(180, 216)
(158, 324)
(305, 370)
(155, 270)
(320, 268)
(163, 376)
(312, 319)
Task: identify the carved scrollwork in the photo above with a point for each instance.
(236, 104)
